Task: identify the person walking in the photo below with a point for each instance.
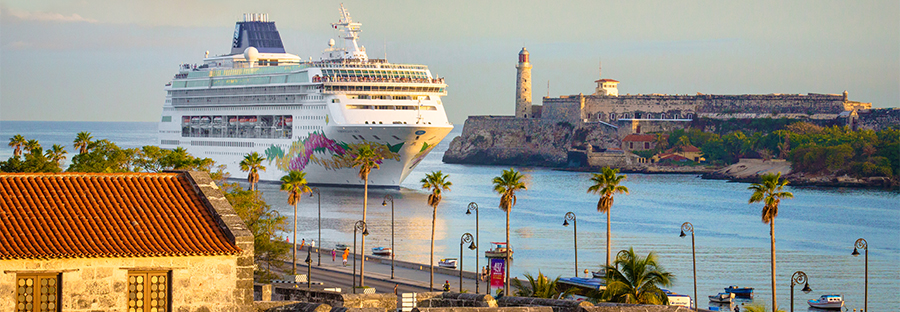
(346, 254)
(333, 254)
(302, 243)
(446, 285)
(312, 243)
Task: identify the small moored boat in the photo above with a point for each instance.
(835, 302)
(340, 247)
(498, 251)
(447, 263)
(743, 292)
(722, 297)
(381, 251)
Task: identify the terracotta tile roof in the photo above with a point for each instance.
(606, 80)
(673, 157)
(71, 215)
(639, 138)
(686, 149)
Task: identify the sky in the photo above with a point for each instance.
(89, 60)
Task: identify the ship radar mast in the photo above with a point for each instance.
(350, 30)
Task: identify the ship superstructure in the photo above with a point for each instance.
(301, 115)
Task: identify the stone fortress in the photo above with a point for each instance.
(594, 125)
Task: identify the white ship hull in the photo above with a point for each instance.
(308, 116)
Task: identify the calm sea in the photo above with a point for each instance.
(814, 232)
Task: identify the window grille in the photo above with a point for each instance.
(38, 292)
(149, 292)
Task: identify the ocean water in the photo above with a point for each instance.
(814, 232)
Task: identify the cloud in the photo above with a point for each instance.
(49, 17)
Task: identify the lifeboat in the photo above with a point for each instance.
(288, 121)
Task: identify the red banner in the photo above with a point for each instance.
(497, 274)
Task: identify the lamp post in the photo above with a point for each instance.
(387, 198)
(319, 197)
(466, 238)
(570, 216)
(861, 243)
(799, 278)
(308, 267)
(474, 206)
(359, 226)
(687, 226)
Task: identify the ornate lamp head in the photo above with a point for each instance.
(806, 289)
(855, 252)
(682, 234)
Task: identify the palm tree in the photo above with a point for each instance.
(769, 191)
(17, 142)
(507, 184)
(366, 159)
(606, 184)
(32, 146)
(82, 140)
(635, 280)
(540, 287)
(253, 163)
(295, 184)
(437, 183)
(57, 153)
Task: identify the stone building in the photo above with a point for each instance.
(121, 242)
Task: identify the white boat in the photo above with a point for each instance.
(449, 263)
(498, 251)
(722, 297)
(341, 247)
(676, 299)
(381, 251)
(834, 302)
(327, 107)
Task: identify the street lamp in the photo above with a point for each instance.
(319, 197)
(474, 206)
(687, 226)
(799, 278)
(466, 238)
(387, 198)
(861, 243)
(359, 226)
(570, 216)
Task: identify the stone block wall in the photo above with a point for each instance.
(878, 119)
(91, 284)
(629, 126)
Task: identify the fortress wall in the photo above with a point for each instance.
(879, 119)
(598, 107)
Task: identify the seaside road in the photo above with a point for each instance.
(378, 275)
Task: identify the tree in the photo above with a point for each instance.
(634, 279)
(56, 154)
(770, 192)
(32, 146)
(436, 182)
(540, 287)
(103, 156)
(366, 159)
(606, 184)
(82, 141)
(253, 163)
(17, 142)
(264, 223)
(295, 184)
(506, 185)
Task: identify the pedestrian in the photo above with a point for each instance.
(333, 253)
(446, 285)
(312, 243)
(395, 288)
(346, 254)
(737, 309)
(302, 243)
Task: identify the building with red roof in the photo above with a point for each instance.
(121, 242)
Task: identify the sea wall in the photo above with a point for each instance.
(495, 140)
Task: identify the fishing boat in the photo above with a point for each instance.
(722, 297)
(742, 292)
(676, 299)
(340, 247)
(381, 251)
(833, 302)
(449, 263)
(498, 251)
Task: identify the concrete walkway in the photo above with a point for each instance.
(405, 273)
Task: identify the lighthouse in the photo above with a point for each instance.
(523, 86)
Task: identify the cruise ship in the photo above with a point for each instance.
(304, 115)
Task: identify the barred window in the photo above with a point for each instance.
(38, 292)
(149, 291)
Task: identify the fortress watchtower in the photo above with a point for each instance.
(523, 86)
(607, 87)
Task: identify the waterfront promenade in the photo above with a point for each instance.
(410, 277)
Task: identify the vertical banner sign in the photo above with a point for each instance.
(497, 274)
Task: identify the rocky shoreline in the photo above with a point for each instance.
(749, 170)
(651, 169)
